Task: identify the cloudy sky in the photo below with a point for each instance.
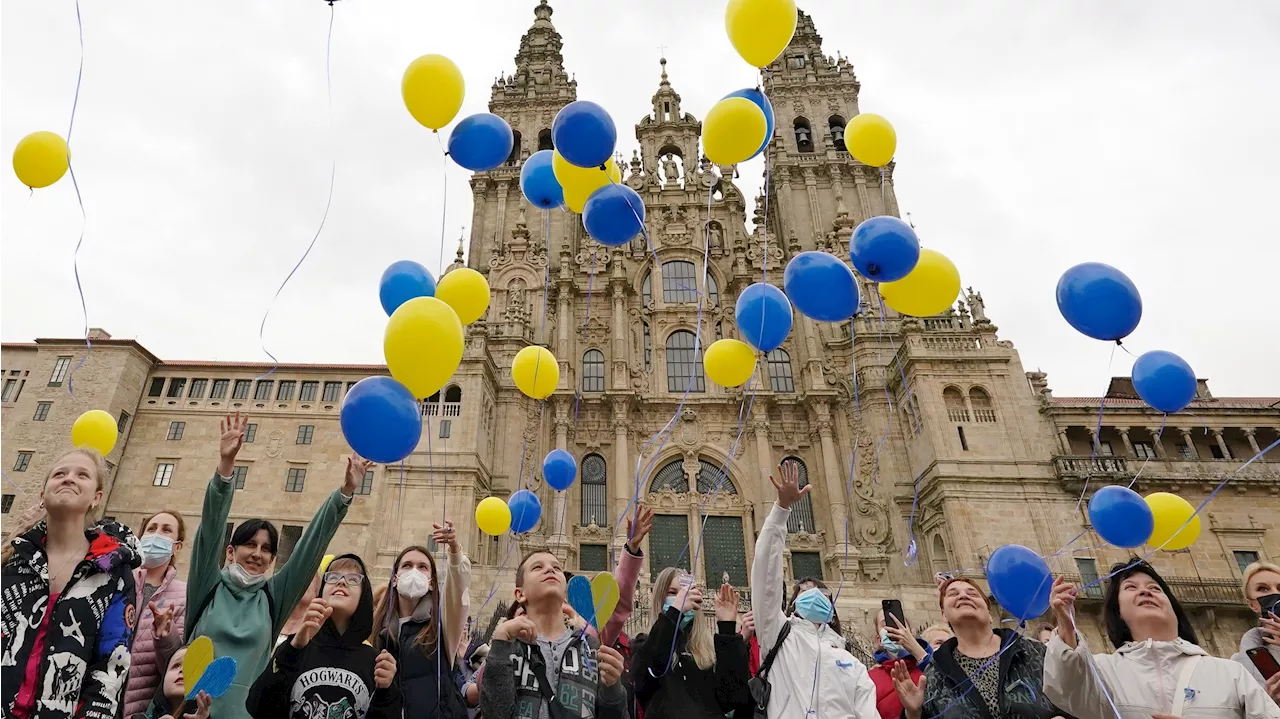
(1032, 136)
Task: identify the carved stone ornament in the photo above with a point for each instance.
(593, 259)
(593, 532)
(872, 517)
(675, 230)
(275, 443)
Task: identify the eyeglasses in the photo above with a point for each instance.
(351, 579)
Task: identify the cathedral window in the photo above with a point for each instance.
(544, 141)
(593, 371)
(836, 124)
(453, 394)
(594, 491)
(514, 157)
(980, 401)
(670, 478)
(804, 135)
(938, 555)
(684, 363)
(801, 519)
(724, 550)
(679, 282)
(953, 400)
(646, 291)
(780, 377)
(669, 541)
(796, 62)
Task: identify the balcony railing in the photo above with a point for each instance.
(441, 409)
(1191, 591)
(1164, 469)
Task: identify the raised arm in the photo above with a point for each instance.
(457, 583)
(766, 568)
(626, 573)
(210, 542)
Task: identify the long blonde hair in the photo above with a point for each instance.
(100, 469)
(701, 643)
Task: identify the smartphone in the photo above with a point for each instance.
(893, 608)
(1262, 659)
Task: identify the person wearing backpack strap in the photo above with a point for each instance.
(239, 607)
(812, 671)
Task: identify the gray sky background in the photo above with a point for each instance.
(1032, 136)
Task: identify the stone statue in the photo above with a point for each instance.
(976, 305)
(715, 236)
(670, 173)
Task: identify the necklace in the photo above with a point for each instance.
(73, 558)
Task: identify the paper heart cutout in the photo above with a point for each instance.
(604, 594)
(579, 595)
(216, 679)
(199, 655)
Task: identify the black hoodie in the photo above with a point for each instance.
(330, 677)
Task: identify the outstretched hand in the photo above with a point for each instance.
(789, 490)
(162, 619)
(233, 428)
(357, 466)
(316, 615)
(910, 693)
(639, 527)
(727, 604)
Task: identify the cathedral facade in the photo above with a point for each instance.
(926, 442)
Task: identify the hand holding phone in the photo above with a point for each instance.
(893, 608)
(1264, 661)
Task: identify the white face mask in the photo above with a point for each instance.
(242, 578)
(156, 550)
(412, 583)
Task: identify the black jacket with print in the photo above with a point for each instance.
(86, 653)
(1020, 690)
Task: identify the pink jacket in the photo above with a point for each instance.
(626, 573)
(151, 655)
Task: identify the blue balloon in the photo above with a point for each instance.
(762, 101)
(1020, 581)
(821, 286)
(481, 142)
(381, 420)
(401, 282)
(1099, 301)
(613, 214)
(1164, 380)
(1121, 517)
(526, 509)
(583, 133)
(884, 249)
(763, 314)
(559, 469)
(538, 181)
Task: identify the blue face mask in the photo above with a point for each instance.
(891, 647)
(685, 619)
(813, 606)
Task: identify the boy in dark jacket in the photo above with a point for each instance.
(328, 669)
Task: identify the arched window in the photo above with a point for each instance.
(980, 401)
(780, 377)
(646, 290)
(594, 491)
(713, 291)
(804, 135)
(648, 348)
(670, 478)
(593, 371)
(938, 555)
(544, 141)
(801, 519)
(679, 282)
(684, 363)
(712, 476)
(953, 399)
(514, 157)
(719, 330)
(453, 394)
(836, 125)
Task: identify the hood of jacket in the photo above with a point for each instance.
(361, 624)
(111, 546)
(1150, 650)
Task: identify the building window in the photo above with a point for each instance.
(176, 386)
(684, 363)
(669, 541)
(1186, 452)
(780, 377)
(1088, 569)
(350, 385)
(122, 421)
(804, 135)
(446, 426)
(712, 479)
(1104, 449)
(646, 290)
(287, 387)
(366, 483)
(262, 391)
(250, 432)
(239, 474)
(514, 157)
(42, 411)
(801, 519)
(594, 492)
(805, 565)
(6, 503)
(305, 432)
(157, 387)
(724, 550)
(796, 62)
(308, 393)
(648, 348)
(719, 330)
(964, 443)
(1244, 559)
(164, 473)
(296, 478)
(10, 391)
(591, 557)
(197, 388)
(24, 461)
(1144, 450)
(670, 478)
(219, 388)
(290, 534)
(242, 389)
(176, 429)
(679, 282)
(61, 366)
(332, 391)
(593, 371)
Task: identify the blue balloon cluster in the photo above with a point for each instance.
(584, 134)
(538, 181)
(403, 281)
(884, 249)
(1020, 581)
(757, 96)
(481, 142)
(380, 419)
(1099, 301)
(763, 314)
(1121, 517)
(821, 286)
(526, 510)
(1164, 380)
(559, 468)
(613, 215)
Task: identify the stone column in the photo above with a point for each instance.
(623, 472)
(1250, 434)
(1156, 443)
(501, 220)
(834, 487)
(784, 199)
(617, 293)
(764, 459)
(1124, 437)
(564, 318)
(815, 212)
(1064, 442)
(1222, 444)
(864, 202)
(1186, 439)
(479, 192)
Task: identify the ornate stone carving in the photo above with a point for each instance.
(872, 517)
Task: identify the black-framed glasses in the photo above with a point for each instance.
(351, 579)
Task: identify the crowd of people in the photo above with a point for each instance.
(96, 625)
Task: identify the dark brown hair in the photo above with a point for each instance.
(427, 637)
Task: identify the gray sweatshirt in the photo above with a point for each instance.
(509, 687)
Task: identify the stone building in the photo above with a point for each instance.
(927, 443)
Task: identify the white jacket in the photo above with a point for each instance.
(1142, 678)
(813, 670)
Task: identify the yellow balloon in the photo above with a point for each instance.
(324, 563)
(96, 429)
(576, 202)
(927, 290)
(423, 345)
(870, 139)
(760, 29)
(466, 291)
(729, 363)
(433, 87)
(41, 159)
(1171, 512)
(493, 516)
(733, 130)
(535, 371)
(580, 182)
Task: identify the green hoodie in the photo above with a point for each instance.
(239, 621)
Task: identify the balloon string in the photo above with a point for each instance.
(1097, 435)
(1159, 432)
(444, 200)
(84, 218)
(333, 173)
(591, 277)
(853, 467)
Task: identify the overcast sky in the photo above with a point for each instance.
(1031, 136)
